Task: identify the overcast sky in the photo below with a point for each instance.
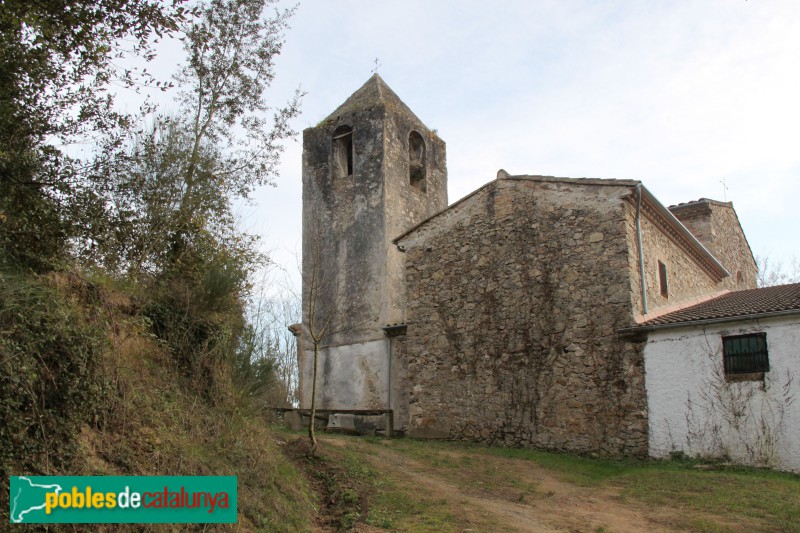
(679, 94)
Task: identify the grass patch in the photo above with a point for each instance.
(738, 493)
(583, 471)
(720, 498)
(400, 508)
(462, 463)
(724, 491)
(353, 489)
(340, 481)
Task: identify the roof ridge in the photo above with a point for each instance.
(374, 92)
(701, 201)
(503, 175)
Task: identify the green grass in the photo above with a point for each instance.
(393, 503)
(583, 471)
(709, 499)
(397, 508)
(724, 491)
(750, 493)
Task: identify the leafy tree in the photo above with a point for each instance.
(232, 51)
(57, 60)
(144, 203)
(169, 201)
(151, 200)
(178, 180)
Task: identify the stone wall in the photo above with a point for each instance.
(716, 225)
(514, 299)
(400, 388)
(351, 376)
(686, 279)
(355, 201)
(407, 205)
(344, 237)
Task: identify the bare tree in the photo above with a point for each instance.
(272, 315)
(326, 309)
(317, 283)
(775, 272)
(285, 311)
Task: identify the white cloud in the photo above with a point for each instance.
(678, 94)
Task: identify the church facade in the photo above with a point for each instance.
(509, 317)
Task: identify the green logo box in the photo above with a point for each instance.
(123, 499)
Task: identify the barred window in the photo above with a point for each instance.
(745, 354)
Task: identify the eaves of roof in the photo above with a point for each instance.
(749, 304)
(675, 230)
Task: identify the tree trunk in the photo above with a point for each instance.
(311, 434)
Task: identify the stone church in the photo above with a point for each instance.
(508, 317)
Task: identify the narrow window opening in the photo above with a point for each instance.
(416, 161)
(745, 354)
(343, 151)
(662, 279)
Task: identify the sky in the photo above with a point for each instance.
(695, 99)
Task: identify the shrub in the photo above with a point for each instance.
(50, 374)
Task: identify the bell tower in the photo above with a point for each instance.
(371, 171)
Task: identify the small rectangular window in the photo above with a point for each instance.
(416, 160)
(662, 279)
(745, 354)
(343, 152)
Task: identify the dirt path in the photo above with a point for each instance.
(497, 494)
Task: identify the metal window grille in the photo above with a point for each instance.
(745, 354)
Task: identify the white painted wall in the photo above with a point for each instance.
(694, 410)
(352, 376)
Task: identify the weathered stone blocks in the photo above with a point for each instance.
(524, 322)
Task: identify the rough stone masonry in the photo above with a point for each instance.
(495, 319)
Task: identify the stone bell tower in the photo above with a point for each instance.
(371, 171)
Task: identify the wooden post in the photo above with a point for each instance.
(389, 417)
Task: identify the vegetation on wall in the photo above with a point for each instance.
(742, 419)
(521, 310)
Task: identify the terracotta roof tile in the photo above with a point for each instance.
(766, 300)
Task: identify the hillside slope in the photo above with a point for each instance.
(88, 388)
